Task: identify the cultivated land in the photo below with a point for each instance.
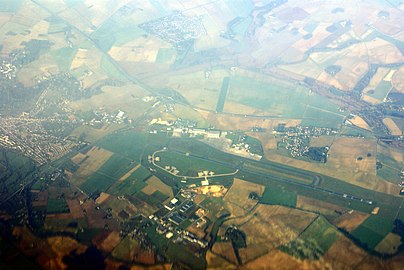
(119, 121)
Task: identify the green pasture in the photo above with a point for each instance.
(277, 195)
(57, 206)
(277, 97)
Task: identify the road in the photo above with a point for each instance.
(185, 176)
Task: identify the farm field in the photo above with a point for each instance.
(267, 228)
(133, 184)
(276, 195)
(355, 153)
(276, 98)
(110, 172)
(238, 199)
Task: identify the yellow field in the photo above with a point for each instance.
(359, 122)
(381, 51)
(225, 250)
(126, 98)
(390, 75)
(110, 242)
(61, 247)
(391, 152)
(346, 152)
(237, 108)
(321, 141)
(29, 74)
(96, 157)
(353, 61)
(140, 50)
(198, 88)
(237, 200)
(393, 128)
(97, 12)
(376, 79)
(389, 244)
(344, 254)
(370, 99)
(154, 184)
(350, 221)
(94, 134)
(398, 80)
(319, 34)
(185, 112)
(90, 58)
(126, 175)
(308, 68)
(310, 204)
(268, 227)
(216, 262)
(102, 198)
(279, 260)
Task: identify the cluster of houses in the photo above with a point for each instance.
(401, 184)
(197, 132)
(8, 70)
(169, 225)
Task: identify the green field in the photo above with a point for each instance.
(165, 55)
(314, 241)
(132, 144)
(181, 253)
(156, 199)
(200, 149)
(129, 187)
(223, 93)
(111, 69)
(277, 97)
(64, 57)
(353, 131)
(116, 31)
(57, 206)
(124, 248)
(133, 184)
(87, 235)
(190, 165)
(390, 170)
(115, 167)
(322, 232)
(15, 169)
(275, 194)
(374, 229)
(321, 118)
(381, 91)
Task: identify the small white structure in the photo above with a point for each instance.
(174, 201)
(205, 182)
